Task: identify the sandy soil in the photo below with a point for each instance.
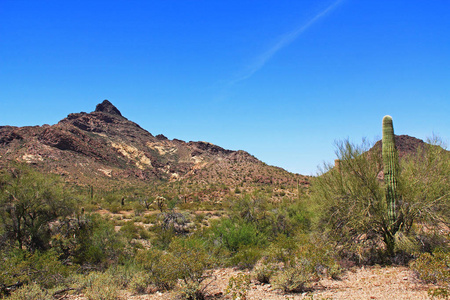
(361, 283)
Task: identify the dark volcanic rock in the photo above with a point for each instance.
(8, 134)
(405, 144)
(107, 107)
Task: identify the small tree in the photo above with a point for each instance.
(29, 203)
(351, 198)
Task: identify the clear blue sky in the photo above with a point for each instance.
(280, 79)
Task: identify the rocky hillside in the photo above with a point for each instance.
(406, 145)
(103, 148)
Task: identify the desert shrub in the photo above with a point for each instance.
(186, 259)
(353, 211)
(123, 273)
(139, 282)
(101, 286)
(138, 208)
(150, 218)
(114, 208)
(43, 268)
(292, 263)
(199, 218)
(29, 203)
(251, 208)
(162, 237)
(130, 230)
(192, 291)
(433, 267)
(158, 265)
(236, 235)
(238, 286)
(299, 216)
(98, 243)
(246, 257)
(191, 259)
(294, 278)
(264, 270)
(30, 292)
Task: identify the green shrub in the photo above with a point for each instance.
(98, 243)
(192, 291)
(292, 263)
(101, 286)
(246, 257)
(30, 292)
(350, 201)
(235, 235)
(130, 230)
(433, 267)
(238, 286)
(294, 278)
(123, 274)
(265, 270)
(114, 208)
(191, 259)
(29, 204)
(138, 208)
(42, 268)
(139, 282)
(159, 267)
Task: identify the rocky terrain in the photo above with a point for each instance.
(103, 148)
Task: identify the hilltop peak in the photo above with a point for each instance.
(107, 107)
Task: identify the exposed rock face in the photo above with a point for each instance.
(405, 144)
(105, 147)
(107, 107)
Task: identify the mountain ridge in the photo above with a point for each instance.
(105, 148)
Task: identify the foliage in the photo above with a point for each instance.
(29, 203)
(98, 243)
(350, 199)
(125, 273)
(30, 292)
(101, 286)
(154, 262)
(186, 259)
(292, 263)
(192, 291)
(425, 193)
(435, 268)
(139, 282)
(22, 267)
(246, 257)
(351, 206)
(265, 270)
(238, 286)
(293, 278)
(236, 235)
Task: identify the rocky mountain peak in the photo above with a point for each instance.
(107, 107)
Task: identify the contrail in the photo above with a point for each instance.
(284, 41)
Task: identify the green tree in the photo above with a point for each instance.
(350, 199)
(29, 203)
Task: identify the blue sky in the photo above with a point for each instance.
(280, 79)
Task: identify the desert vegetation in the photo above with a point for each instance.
(59, 239)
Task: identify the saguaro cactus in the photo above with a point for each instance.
(390, 162)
